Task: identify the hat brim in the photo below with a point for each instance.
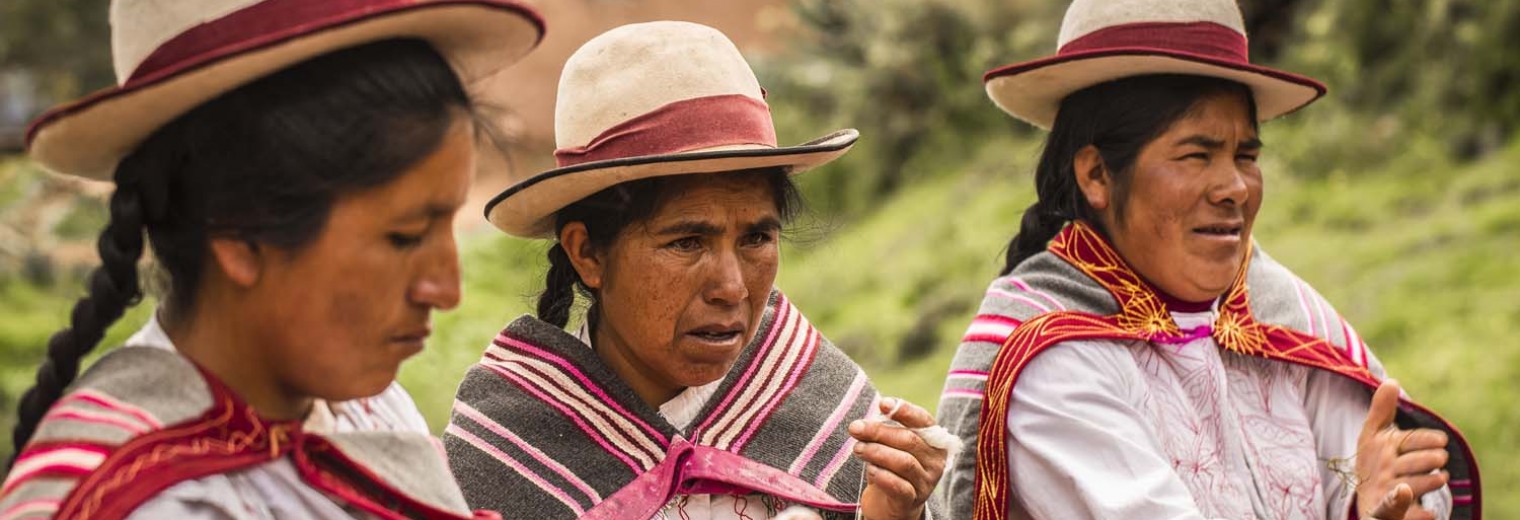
(90, 136)
(527, 209)
(1032, 91)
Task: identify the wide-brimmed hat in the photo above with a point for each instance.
(647, 100)
(171, 56)
(1105, 40)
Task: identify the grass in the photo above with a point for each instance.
(1419, 254)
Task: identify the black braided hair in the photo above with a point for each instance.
(607, 213)
(1119, 117)
(262, 163)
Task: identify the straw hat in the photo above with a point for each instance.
(171, 56)
(653, 99)
(1105, 40)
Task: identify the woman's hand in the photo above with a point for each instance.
(1394, 466)
(901, 469)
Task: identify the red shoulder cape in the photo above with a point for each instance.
(1143, 316)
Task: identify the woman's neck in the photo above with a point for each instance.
(214, 341)
(613, 351)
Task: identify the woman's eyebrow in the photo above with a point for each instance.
(690, 227)
(763, 225)
(427, 212)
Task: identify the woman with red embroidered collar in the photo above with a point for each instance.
(692, 389)
(1139, 358)
(296, 167)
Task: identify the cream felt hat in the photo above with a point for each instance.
(1105, 40)
(173, 55)
(647, 100)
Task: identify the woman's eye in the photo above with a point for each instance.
(686, 244)
(1246, 157)
(758, 239)
(1202, 156)
(404, 240)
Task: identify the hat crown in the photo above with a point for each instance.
(1084, 17)
(139, 27)
(634, 69)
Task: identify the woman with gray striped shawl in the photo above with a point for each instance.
(1139, 357)
(691, 389)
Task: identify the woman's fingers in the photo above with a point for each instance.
(1395, 504)
(1421, 439)
(1385, 406)
(907, 414)
(1419, 462)
(1422, 484)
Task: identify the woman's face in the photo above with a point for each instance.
(1192, 198)
(338, 316)
(682, 293)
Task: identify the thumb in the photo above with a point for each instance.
(1395, 505)
(1385, 405)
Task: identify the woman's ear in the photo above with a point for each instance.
(241, 261)
(588, 262)
(1092, 177)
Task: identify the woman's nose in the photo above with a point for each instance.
(438, 284)
(726, 285)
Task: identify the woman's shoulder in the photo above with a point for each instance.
(1045, 284)
(128, 392)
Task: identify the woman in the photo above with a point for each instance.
(1195, 377)
(296, 167)
(692, 388)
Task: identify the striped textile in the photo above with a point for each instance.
(141, 420)
(542, 428)
(1047, 284)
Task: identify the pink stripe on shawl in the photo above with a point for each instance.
(593, 410)
(570, 368)
(1026, 288)
(66, 459)
(770, 402)
(962, 392)
(829, 425)
(835, 463)
(591, 432)
(486, 447)
(1008, 295)
(96, 417)
(1303, 303)
(783, 313)
(110, 403)
(40, 508)
(500, 430)
(969, 374)
(771, 366)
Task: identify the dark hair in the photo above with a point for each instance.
(263, 163)
(1119, 118)
(608, 212)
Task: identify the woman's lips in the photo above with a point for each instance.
(718, 335)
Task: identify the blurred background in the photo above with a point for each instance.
(1397, 196)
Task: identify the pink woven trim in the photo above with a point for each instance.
(487, 448)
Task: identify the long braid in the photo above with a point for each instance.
(558, 298)
(112, 288)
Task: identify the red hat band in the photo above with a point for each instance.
(1204, 39)
(681, 126)
(262, 23)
